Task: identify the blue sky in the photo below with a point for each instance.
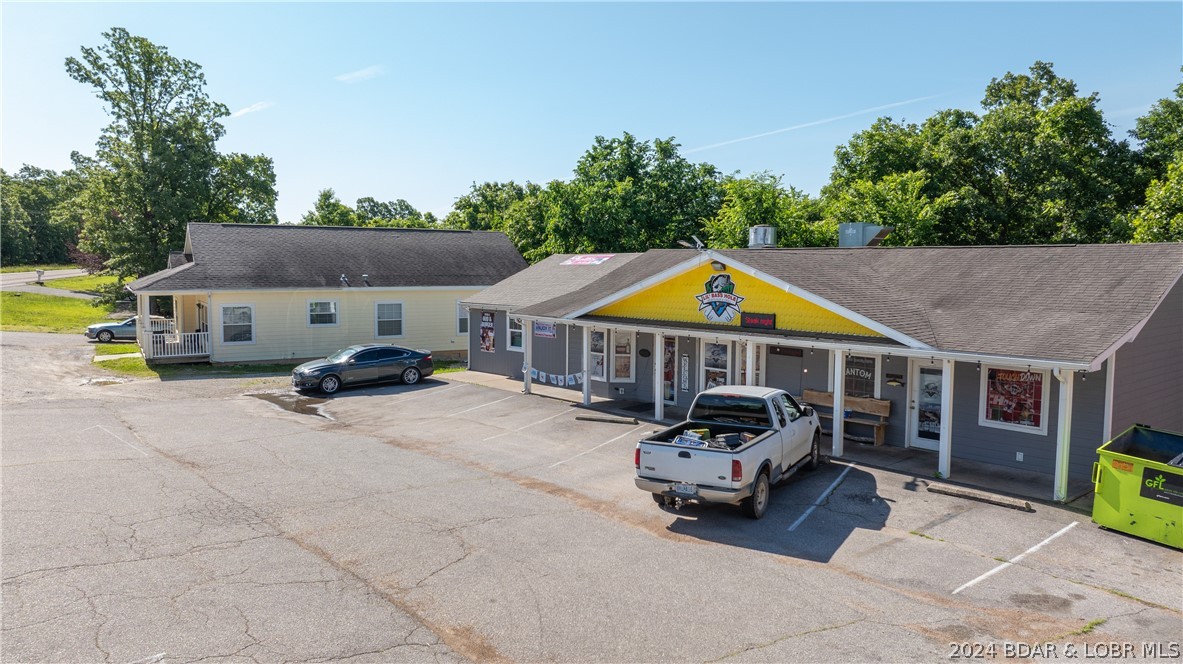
(418, 101)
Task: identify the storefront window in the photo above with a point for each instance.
(599, 344)
(1014, 399)
(716, 363)
(516, 334)
(860, 376)
(622, 356)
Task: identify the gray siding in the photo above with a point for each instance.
(501, 362)
(1148, 383)
(784, 372)
(998, 446)
(897, 422)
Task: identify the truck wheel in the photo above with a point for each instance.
(756, 505)
(815, 452)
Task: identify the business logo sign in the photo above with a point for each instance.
(1156, 485)
(757, 321)
(719, 303)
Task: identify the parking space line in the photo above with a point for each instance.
(626, 433)
(108, 432)
(480, 406)
(1017, 558)
(427, 393)
(819, 500)
(506, 433)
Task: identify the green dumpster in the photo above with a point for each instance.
(1138, 485)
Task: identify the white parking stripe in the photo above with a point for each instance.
(1017, 558)
(108, 432)
(426, 393)
(506, 433)
(819, 500)
(626, 433)
(480, 406)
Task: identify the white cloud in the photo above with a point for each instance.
(257, 106)
(815, 123)
(360, 74)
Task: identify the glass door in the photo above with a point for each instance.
(927, 388)
(669, 381)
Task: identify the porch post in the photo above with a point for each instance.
(1063, 435)
(144, 325)
(839, 428)
(586, 361)
(750, 378)
(1107, 428)
(945, 447)
(658, 377)
(528, 357)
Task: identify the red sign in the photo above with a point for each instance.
(757, 321)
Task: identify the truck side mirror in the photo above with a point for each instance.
(807, 410)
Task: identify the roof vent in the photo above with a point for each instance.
(344, 281)
(761, 237)
(861, 234)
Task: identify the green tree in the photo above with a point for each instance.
(329, 211)
(1160, 219)
(370, 210)
(157, 167)
(761, 199)
(40, 232)
(485, 206)
(1160, 133)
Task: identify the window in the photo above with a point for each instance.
(1014, 399)
(599, 345)
(322, 313)
(623, 347)
(516, 335)
(461, 319)
(388, 319)
(238, 324)
(716, 365)
(860, 376)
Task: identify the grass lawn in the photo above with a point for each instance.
(114, 348)
(33, 312)
(30, 268)
(136, 366)
(89, 283)
(448, 367)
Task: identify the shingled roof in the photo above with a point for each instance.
(248, 257)
(1053, 302)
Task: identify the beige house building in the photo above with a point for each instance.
(245, 293)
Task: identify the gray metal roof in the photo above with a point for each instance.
(248, 257)
(1054, 302)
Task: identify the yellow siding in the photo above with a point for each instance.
(675, 300)
(282, 331)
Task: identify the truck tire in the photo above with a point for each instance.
(757, 504)
(815, 452)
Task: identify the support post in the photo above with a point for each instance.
(945, 446)
(838, 430)
(1107, 427)
(144, 326)
(528, 357)
(586, 363)
(1063, 434)
(658, 377)
(750, 378)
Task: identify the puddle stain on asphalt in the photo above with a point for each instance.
(294, 403)
(102, 382)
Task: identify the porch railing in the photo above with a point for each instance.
(163, 325)
(184, 344)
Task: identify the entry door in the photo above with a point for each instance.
(927, 387)
(669, 382)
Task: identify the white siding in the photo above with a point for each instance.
(282, 331)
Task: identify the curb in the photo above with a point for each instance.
(981, 496)
(609, 420)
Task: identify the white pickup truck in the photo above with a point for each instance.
(738, 441)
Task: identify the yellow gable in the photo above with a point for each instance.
(703, 295)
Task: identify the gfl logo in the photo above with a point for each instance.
(1156, 483)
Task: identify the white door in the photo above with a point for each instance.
(925, 406)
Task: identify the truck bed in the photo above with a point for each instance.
(730, 431)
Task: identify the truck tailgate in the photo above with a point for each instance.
(695, 465)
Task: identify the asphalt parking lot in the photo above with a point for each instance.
(179, 521)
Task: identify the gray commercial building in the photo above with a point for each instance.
(1024, 356)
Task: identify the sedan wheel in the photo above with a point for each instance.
(330, 384)
(106, 336)
(411, 376)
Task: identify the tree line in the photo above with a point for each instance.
(1037, 163)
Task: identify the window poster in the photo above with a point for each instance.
(599, 345)
(716, 363)
(1015, 397)
(488, 335)
(669, 350)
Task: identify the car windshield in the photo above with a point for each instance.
(341, 355)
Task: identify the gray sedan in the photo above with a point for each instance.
(365, 363)
(125, 329)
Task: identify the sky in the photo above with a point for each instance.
(421, 101)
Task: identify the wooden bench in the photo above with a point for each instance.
(878, 411)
